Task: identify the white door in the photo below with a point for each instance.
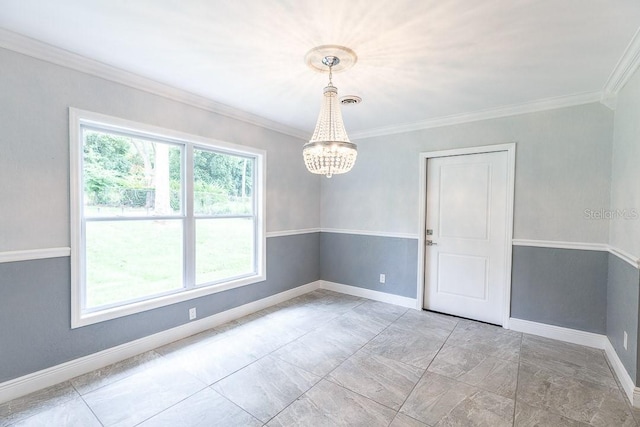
(466, 222)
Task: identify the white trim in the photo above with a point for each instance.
(624, 69)
(469, 150)
(510, 148)
(621, 372)
(292, 232)
(561, 245)
(625, 256)
(609, 100)
(75, 218)
(603, 247)
(33, 254)
(370, 233)
(30, 254)
(18, 387)
(369, 294)
(46, 52)
(78, 118)
(588, 339)
(493, 113)
(573, 336)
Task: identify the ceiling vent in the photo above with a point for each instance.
(350, 100)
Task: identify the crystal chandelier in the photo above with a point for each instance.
(329, 152)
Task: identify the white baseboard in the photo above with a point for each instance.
(633, 392)
(30, 383)
(583, 338)
(368, 293)
(558, 333)
(18, 387)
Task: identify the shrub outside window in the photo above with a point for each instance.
(159, 216)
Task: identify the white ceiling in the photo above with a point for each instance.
(417, 59)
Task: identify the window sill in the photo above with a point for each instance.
(80, 319)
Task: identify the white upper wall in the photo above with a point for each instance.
(562, 168)
(563, 164)
(34, 149)
(625, 172)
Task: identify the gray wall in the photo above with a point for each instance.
(623, 297)
(562, 287)
(358, 260)
(623, 293)
(35, 307)
(564, 165)
(34, 213)
(562, 168)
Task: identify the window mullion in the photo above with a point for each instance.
(189, 223)
(117, 240)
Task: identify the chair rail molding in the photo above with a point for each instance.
(31, 254)
(603, 247)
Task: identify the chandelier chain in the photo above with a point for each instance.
(330, 74)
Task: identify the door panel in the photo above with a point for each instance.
(467, 190)
(462, 275)
(465, 269)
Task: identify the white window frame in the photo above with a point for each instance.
(79, 118)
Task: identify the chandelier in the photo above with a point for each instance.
(329, 152)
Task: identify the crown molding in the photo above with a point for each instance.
(493, 113)
(609, 100)
(55, 55)
(624, 69)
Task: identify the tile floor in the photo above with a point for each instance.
(326, 359)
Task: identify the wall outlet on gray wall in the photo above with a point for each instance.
(382, 278)
(192, 313)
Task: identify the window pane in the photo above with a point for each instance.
(124, 176)
(132, 259)
(224, 249)
(223, 183)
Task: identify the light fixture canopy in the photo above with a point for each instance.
(330, 152)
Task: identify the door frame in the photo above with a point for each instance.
(510, 148)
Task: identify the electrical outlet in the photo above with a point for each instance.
(624, 343)
(192, 313)
(382, 278)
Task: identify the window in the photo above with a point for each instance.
(159, 217)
